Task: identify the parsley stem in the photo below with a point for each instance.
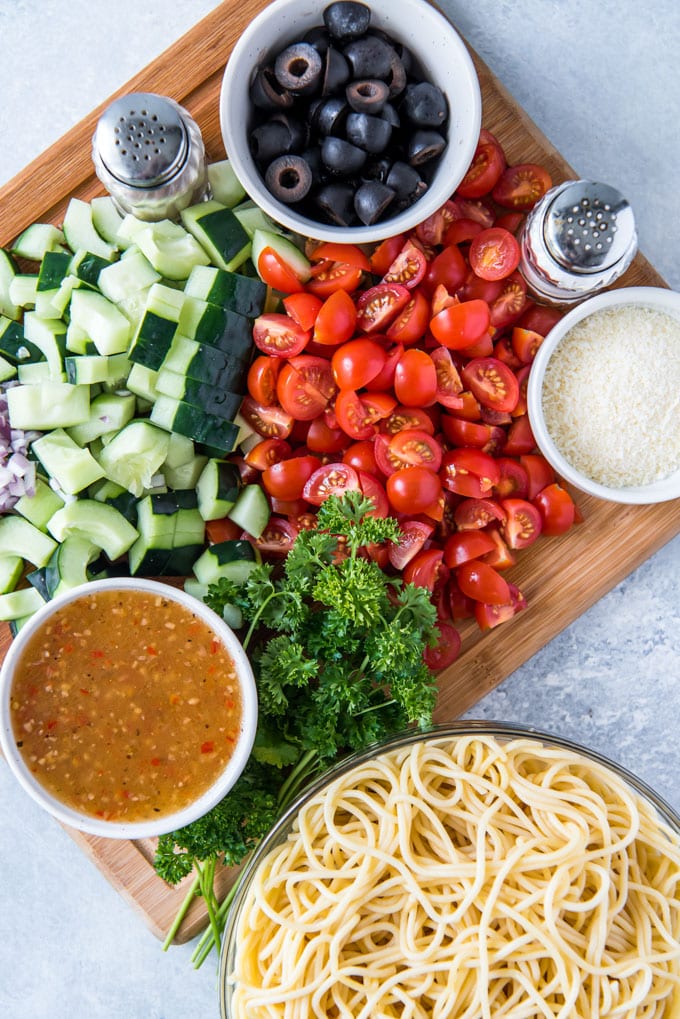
(257, 615)
(182, 912)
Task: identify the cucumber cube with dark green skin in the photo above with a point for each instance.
(182, 559)
(86, 267)
(219, 232)
(152, 340)
(205, 363)
(38, 580)
(207, 429)
(226, 330)
(234, 291)
(14, 346)
(53, 268)
(217, 488)
(212, 399)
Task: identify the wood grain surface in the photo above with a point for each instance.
(560, 577)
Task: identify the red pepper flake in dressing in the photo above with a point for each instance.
(214, 647)
(208, 747)
(151, 650)
(96, 654)
(155, 761)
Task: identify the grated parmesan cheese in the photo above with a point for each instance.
(611, 396)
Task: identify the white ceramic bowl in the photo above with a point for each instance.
(444, 60)
(169, 822)
(657, 298)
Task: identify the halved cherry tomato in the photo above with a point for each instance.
(415, 378)
(286, 479)
(507, 307)
(431, 230)
(475, 288)
(411, 447)
(486, 168)
(273, 271)
(501, 558)
(426, 568)
(447, 269)
(479, 209)
(278, 335)
(460, 606)
(222, 530)
(494, 253)
(321, 438)
(361, 456)
(268, 452)
(407, 417)
(502, 349)
(331, 479)
(522, 524)
(412, 489)
(460, 325)
(385, 378)
(462, 230)
(336, 320)
(539, 473)
(521, 186)
(262, 376)
(385, 254)
(482, 582)
(556, 508)
(474, 513)
(482, 348)
(270, 422)
(357, 362)
(305, 385)
(349, 254)
(375, 491)
(303, 308)
(408, 268)
(540, 318)
(520, 437)
(278, 537)
(449, 385)
(446, 650)
(511, 221)
(358, 413)
(488, 616)
(378, 306)
(525, 343)
(461, 432)
(513, 480)
(465, 545)
(469, 472)
(492, 382)
(412, 536)
(329, 276)
(412, 321)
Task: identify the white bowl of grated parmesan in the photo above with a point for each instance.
(604, 396)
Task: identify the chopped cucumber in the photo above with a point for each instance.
(204, 428)
(18, 537)
(36, 240)
(105, 218)
(171, 250)
(211, 399)
(142, 382)
(224, 184)
(11, 570)
(205, 363)
(288, 252)
(251, 510)
(102, 523)
(7, 369)
(217, 489)
(101, 320)
(48, 405)
(252, 218)
(186, 475)
(22, 292)
(135, 455)
(87, 267)
(39, 507)
(72, 467)
(54, 267)
(80, 231)
(219, 232)
(17, 604)
(49, 336)
(230, 290)
(119, 280)
(88, 369)
(68, 564)
(8, 270)
(233, 559)
(108, 412)
(13, 344)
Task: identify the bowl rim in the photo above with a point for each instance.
(73, 818)
(438, 731)
(462, 150)
(656, 297)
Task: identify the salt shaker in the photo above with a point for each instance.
(149, 155)
(576, 241)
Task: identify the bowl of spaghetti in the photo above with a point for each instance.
(476, 869)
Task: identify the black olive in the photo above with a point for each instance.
(337, 202)
(367, 95)
(423, 146)
(269, 140)
(312, 156)
(369, 57)
(347, 19)
(336, 71)
(289, 178)
(371, 200)
(405, 56)
(266, 93)
(406, 182)
(397, 78)
(329, 115)
(341, 156)
(318, 38)
(298, 132)
(370, 133)
(298, 68)
(377, 169)
(389, 114)
(425, 104)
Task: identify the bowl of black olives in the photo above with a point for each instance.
(350, 121)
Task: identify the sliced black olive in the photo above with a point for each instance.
(423, 146)
(298, 132)
(389, 114)
(371, 200)
(330, 115)
(367, 95)
(269, 140)
(318, 38)
(347, 19)
(397, 79)
(406, 182)
(370, 133)
(425, 104)
(266, 93)
(341, 156)
(377, 169)
(312, 156)
(337, 202)
(336, 71)
(405, 56)
(288, 178)
(369, 57)
(298, 68)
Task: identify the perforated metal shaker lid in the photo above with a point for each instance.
(142, 139)
(588, 227)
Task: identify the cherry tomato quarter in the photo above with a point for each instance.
(286, 479)
(262, 376)
(273, 271)
(378, 306)
(303, 308)
(520, 187)
(482, 583)
(522, 524)
(412, 489)
(357, 362)
(278, 335)
(408, 268)
(556, 508)
(446, 649)
(335, 320)
(494, 253)
(488, 163)
(331, 479)
(462, 324)
(415, 378)
(492, 383)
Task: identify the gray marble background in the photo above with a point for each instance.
(600, 78)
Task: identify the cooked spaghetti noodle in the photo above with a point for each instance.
(466, 878)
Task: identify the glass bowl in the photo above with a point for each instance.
(663, 819)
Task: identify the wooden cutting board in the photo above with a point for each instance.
(560, 577)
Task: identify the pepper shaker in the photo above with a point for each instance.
(149, 155)
(577, 240)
